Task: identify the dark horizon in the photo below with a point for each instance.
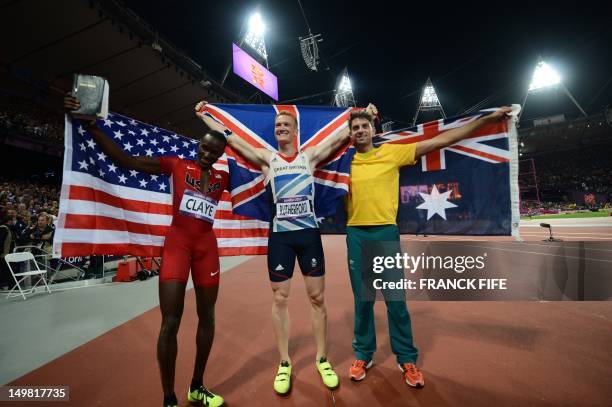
(470, 52)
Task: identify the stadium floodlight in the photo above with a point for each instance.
(429, 101)
(255, 35)
(544, 76)
(430, 98)
(256, 24)
(345, 84)
(344, 91)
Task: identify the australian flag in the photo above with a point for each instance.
(469, 188)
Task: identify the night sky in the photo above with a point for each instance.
(470, 50)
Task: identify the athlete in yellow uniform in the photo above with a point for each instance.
(372, 210)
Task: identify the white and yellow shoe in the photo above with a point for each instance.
(282, 381)
(330, 378)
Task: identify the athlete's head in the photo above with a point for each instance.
(361, 127)
(212, 145)
(285, 127)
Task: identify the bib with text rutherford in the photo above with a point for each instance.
(293, 207)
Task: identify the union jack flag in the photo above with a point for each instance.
(255, 124)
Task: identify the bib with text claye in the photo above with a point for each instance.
(198, 206)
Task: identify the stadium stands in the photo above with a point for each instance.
(24, 117)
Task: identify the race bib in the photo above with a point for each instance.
(293, 207)
(198, 206)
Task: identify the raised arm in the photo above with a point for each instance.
(149, 165)
(256, 156)
(320, 153)
(451, 137)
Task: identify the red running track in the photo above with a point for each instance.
(473, 353)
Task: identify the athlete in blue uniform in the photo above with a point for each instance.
(294, 232)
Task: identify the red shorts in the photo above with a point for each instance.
(196, 251)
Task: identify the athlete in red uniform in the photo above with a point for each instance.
(189, 244)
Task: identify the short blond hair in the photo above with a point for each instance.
(287, 113)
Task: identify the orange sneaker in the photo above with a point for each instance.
(358, 369)
(412, 375)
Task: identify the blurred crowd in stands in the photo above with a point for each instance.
(581, 170)
(568, 180)
(547, 207)
(27, 118)
(29, 210)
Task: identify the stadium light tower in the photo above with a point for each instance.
(255, 35)
(546, 78)
(344, 91)
(428, 101)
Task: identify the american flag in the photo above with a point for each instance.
(255, 124)
(106, 209)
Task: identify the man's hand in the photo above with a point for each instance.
(199, 108)
(71, 103)
(371, 109)
(208, 120)
(503, 113)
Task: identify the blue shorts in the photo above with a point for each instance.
(285, 247)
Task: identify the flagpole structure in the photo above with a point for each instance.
(428, 101)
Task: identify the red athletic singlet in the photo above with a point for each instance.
(190, 242)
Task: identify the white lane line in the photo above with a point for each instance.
(570, 233)
(528, 252)
(551, 244)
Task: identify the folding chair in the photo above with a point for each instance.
(22, 257)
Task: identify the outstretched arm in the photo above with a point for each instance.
(256, 156)
(451, 137)
(149, 165)
(320, 153)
